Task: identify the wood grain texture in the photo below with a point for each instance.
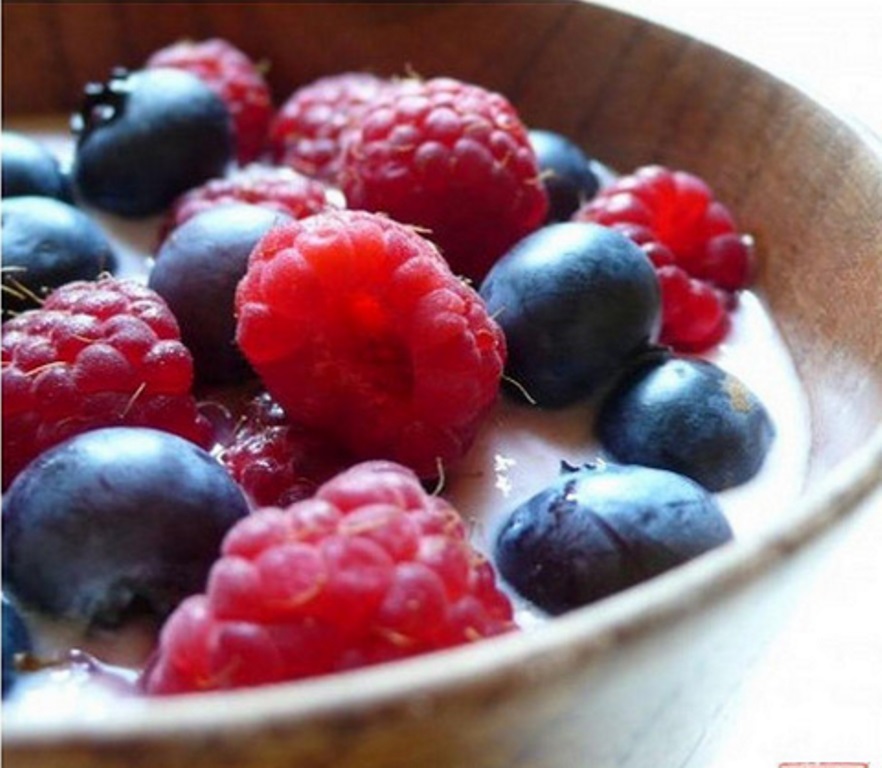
(634, 682)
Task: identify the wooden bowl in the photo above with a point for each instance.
(634, 680)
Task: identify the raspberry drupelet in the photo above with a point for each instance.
(371, 569)
(359, 329)
(97, 354)
(452, 158)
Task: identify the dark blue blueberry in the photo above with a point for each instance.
(16, 640)
(600, 529)
(567, 173)
(197, 270)
(47, 243)
(688, 416)
(29, 168)
(144, 138)
(576, 302)
(115, 522)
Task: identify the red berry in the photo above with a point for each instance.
(679, 210)
(233, 76)
(279, 189)
(694, 316)
(276, 462)
(371, 569)
(308, 131)
(452, 158)
(359, 329)
(96, 354)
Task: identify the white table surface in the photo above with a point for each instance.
(816, 695)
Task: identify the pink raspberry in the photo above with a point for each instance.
(97, 354)
(453, 159)
(371, 569)
(308, 131)
(279, 189)
(359, 329)
(233, 76)
(276, 462)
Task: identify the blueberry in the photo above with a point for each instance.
(567, 173)
(576, 301)
(197, 270)
(601, 529)
(29, 168)
(688, 416)
(115, 522)
(47, 243)
(16, 640)
(145, 137)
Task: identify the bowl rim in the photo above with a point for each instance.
(586, 632)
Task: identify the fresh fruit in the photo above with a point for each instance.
(451, 158)
(47, 243)
(97, 354)
(235, 78)
(566, 173)
(688, 416)
(143, 138)
(16, 641)
(308, 131)
(196, 272)
(115, 522)
(602, 528)
(576, 303)
(29, 168)
(691, 238)
(279, 189)
(276, 462)
(370, 570)
(359, 329)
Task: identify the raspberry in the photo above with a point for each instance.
(308, 131)
(96, 354)
(452, 158)
(276, 462)
(234, 77)
(371, 569)
(690, 238)
(678, 210)
(358, 328)
(279, 189)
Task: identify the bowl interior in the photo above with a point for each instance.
(807, 185)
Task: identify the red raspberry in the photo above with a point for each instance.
(452, 158)
(678, 210)
(276, 462)
(358, 328)
(308, 131)
(279, 189)
(234, 77)
(370, 570)
(96, 354)
(694, 317)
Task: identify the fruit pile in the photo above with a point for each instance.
(342, 288)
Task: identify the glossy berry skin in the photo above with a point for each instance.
(115, 522)
(29, 168)
(566, 173)
(47, 243)
(16, 640)
(600, 529)
(196, 272)
(233, 76)
(688, 416)
(576, 302)
(370, 570)
(145, 137)
(453, 159)
(358, 328)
